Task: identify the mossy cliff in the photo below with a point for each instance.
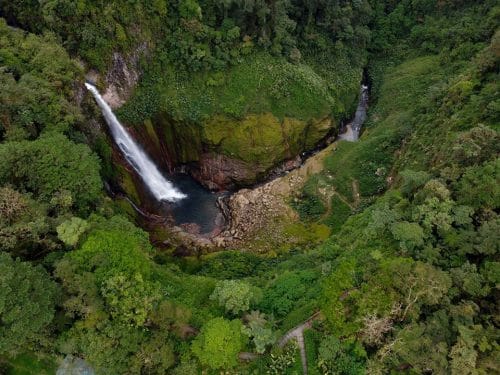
(231, 128)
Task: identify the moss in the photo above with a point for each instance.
(255, 139)
(150, 130)
(263, 140)
(127, 184)
(182, 139)
(261, 111)
(316, 131)
(305, 234)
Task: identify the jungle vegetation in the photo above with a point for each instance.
(406, 283)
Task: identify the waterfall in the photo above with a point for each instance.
(157, 184)
(353, 129)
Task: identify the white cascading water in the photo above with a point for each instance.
(157, 184)
(353, 129)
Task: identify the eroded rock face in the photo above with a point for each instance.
(224, 153)
(219, 172)
(252, 210)
(123, 76)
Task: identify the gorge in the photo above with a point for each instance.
(249, 187)
(199, 210)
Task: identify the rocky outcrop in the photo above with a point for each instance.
(254, 210)
(218, 172)
(123, 76)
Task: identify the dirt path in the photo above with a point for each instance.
(298, 333)
(355, 192)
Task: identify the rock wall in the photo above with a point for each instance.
(224, 153)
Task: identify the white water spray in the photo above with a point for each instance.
(157, 184)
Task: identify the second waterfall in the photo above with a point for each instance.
(161, 188)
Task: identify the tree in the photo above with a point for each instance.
(70, 230)
(480, 186)
(261, 336)
(415, 347)
(234, 295)
(130, 299)
(341, 357)
(218, 344)
(412, 181)
(417, 283)
(463, 358)
(288, 288)
(27, 303)
(25, 229)
(112, 252)
(409, 235)
(49, 165)
(259, 329)
(109, 346)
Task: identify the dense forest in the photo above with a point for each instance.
(389, 266)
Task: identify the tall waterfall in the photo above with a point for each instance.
(157, 184)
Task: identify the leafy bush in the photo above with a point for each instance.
(340, 211)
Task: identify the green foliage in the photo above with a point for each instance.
(480, 187)
(260, 84)
(130, 298)
(281, 362)
(409, 235)
(27, 364)
(37, 79)
(412, 181)
(340, 211)
(27, 304)
(309, 205)
(24, 225)
(218, 344)
(50, 165)
(107, 253)
(234, 295)
(340, 357)
(285, 293)
(71, 230)
(259, 330)
(230, 265)
(408, 281)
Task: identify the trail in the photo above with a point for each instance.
(298, 333)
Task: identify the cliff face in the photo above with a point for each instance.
(219, 150)
(224, 153)
(122, 76)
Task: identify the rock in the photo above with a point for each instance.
(182, 251)
(123, 76)
(220, 172)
